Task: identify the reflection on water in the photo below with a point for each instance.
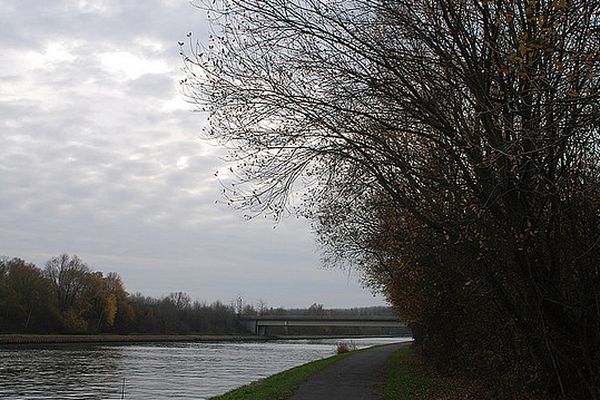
(152, 371)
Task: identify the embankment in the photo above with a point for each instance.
(17, 339)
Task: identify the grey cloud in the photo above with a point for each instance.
(153, 85)
(31, 23)
(98, 165)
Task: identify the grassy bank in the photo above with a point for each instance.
(17, 339)
(282, 385)
(408, 379)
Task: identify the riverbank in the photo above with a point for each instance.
(357, 375)
(282, 385)
(349, 376)
(17, 339)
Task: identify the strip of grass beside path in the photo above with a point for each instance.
(408, 379)
(280, 386)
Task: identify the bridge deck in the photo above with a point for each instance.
(321, 322)
(259, 324)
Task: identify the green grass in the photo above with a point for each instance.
(282, 385)
(408, 379)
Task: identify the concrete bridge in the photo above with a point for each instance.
(260, 324)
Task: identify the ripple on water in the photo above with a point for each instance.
(152, 371)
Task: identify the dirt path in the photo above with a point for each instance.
(359, 377)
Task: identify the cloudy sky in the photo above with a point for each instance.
(101, 158)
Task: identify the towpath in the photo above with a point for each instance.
(358, 377)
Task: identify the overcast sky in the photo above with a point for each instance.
(101, 158)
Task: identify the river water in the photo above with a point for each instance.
(152, 371)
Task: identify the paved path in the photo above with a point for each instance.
(358, 377)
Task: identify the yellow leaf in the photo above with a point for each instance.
(523, 49)
(560, 4)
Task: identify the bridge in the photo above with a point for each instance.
(260, 324)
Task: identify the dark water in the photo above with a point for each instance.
(151, 371)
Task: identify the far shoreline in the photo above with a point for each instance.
(18, 339)
(29, 339)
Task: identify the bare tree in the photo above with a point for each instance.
(261, 307)
(67, 275)
(476, 121)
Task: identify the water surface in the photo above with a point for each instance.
(152, 371)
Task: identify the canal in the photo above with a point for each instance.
(152, 371)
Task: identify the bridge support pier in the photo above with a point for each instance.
(261, 330)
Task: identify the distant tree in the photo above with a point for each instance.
(316, 309)
(3, 292)
(238, 305)
(106, 298)
(122, 311)
(69, 279)
(221, 318)
(67, 275)
(249, 310)
(182, 301)
(29, 291)
(96, 298)
(261, 307)
(144, 313)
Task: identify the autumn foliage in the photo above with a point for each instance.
(448, 149)
(67, 296)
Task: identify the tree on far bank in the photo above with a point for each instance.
(27, 292)
(67, 275)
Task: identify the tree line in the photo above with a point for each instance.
(447, 149)
(67, 296)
